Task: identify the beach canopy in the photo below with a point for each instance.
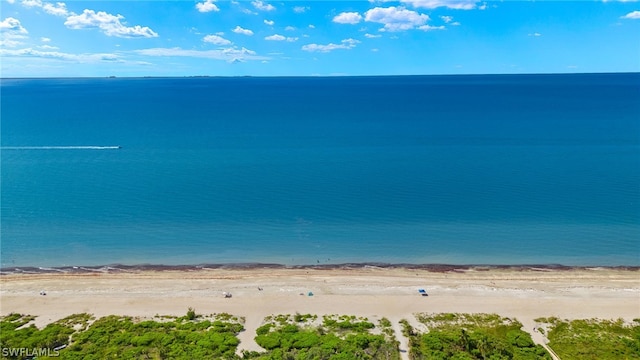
(423, 292)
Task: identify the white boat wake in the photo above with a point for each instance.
(60, 147)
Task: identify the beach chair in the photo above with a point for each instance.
(422, 292)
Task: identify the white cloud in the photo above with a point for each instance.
(109, 24)
(348, 18)
(449, 20)
(269, 22)
(207, 6)
(311, 26)
(11, 1)
(371, 36)
(239, 30)
(229, 54)
(632, 15)
(58, 9)
(344, 44)
(32, 3)
(275, 37)
(451, 4)
(236, 51)
(396, 18)
(535, 34)
(258, 4)
(216, 40)
(12, 25)
(289, 28)
(429, 27)
(45, 39)
(82, 58)
(11, 32)
(8, 42)
(300, 9)
(48, 47)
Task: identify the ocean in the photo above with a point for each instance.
(476, 169)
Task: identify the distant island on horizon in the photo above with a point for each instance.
(324, 76)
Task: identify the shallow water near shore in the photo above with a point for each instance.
(510, 169)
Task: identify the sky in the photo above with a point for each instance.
(41, 38)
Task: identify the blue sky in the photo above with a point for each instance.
(41, 38)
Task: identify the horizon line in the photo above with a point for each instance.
(314, 76)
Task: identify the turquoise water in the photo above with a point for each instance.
(509, 169)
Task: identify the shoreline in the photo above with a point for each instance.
(434, 268)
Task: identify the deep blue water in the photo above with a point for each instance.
(500, 169)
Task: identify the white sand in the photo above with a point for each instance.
(370, 292)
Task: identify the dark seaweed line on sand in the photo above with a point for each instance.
(436, 268)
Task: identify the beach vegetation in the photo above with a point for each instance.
(407, 329)
(303, 336)
(123, 337)
(299, 336)
(17, 331)
(81, 337)
(471, 336)
(346, 323)
(191, 314)
(593, 338)
(386, 327)
(304, 317)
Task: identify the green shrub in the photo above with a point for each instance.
(264, 329)
(338, 337)
(123, 337)
(594, 339)
(16, 333)
(191, 314)
(472, 336)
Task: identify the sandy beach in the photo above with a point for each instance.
(370, 291)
